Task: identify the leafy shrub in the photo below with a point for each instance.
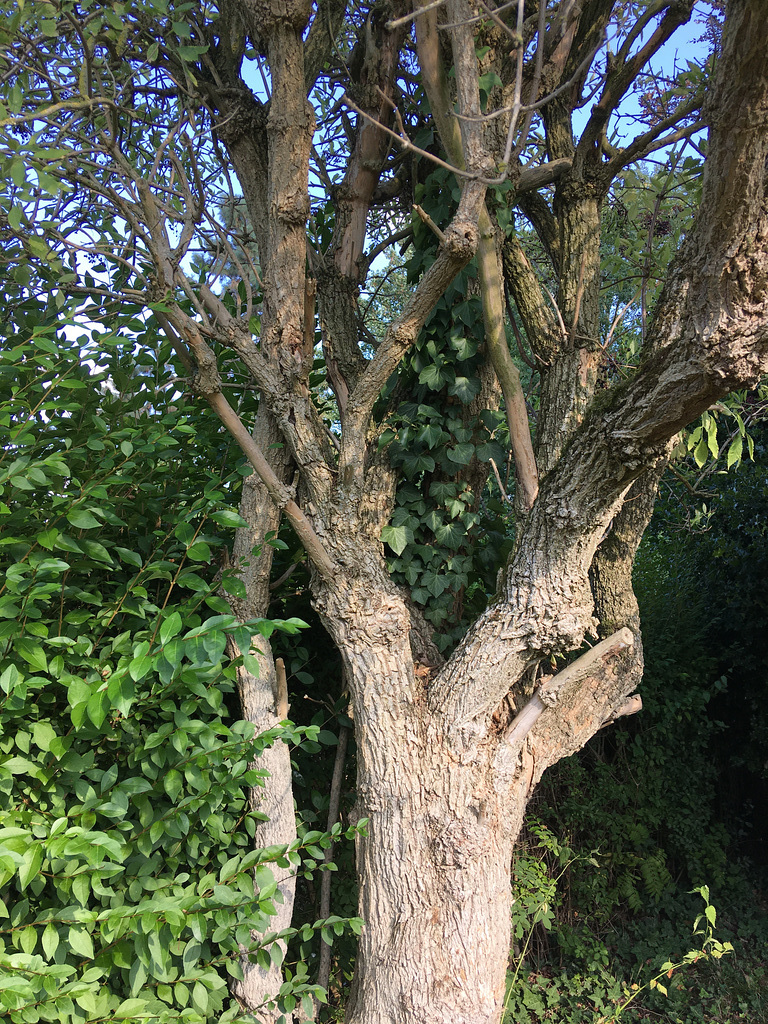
(128, 886)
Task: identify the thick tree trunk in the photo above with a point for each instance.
(434, 867)
(435, 883)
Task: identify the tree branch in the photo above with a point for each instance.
(548, 693)
(491, 283)
(624, 71)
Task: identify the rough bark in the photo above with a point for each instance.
(445, 770)
(434, 867)
(259, 704)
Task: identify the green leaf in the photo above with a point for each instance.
(33, 858)
(170, 627)
(433, 376)
(228, 518)
(465, 388)
(172, 784)
(50, 939)
(199, 552)
(130, 1008)
(735, 451)
(701, 451)
(461, 454)
(80, 941)
(191, 53)
(397, 537)
(82, 519)
(451, 535)
(32, 653)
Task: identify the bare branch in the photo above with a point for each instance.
(461, 239)
(207, 383)
(391, 25)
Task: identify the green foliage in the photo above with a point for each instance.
(128, 885)
(538, 987)
(445, 539)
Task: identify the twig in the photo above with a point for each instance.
(476, 18)
(334, 799)
(618, 318)
(392, 25)
(284, 576)
(379, 249)
(557, 310)
(494, 467)
(406, 143)
(426, 219)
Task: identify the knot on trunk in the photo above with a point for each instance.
(461, 842)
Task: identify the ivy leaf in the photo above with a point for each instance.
(464, 348)
(434, 376)
(461, 454)
(431, 434)
(451, 535)
(465, 388)
(397, 537)
(442, 490)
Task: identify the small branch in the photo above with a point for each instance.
(392, 25)
(281, 695)
(377, 250)
(460, 246)
(334, 799)
(426, 219)
(406, 143)
(277, 491)
(207, 384)
(618, 319)
(547, 693)
(504, 495)
(492, 295)
(284, 576)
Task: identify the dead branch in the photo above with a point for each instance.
(547, 694)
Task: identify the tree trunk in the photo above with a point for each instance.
(259, 699)
(434, 866)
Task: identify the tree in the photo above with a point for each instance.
(139, 128)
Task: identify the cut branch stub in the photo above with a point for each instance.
(547, 694)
